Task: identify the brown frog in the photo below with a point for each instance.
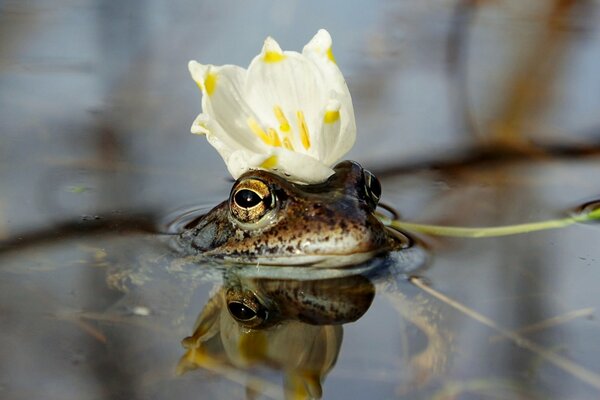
(269, 220)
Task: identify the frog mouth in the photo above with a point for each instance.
(405, 261)
(308, 260)
(396, 241)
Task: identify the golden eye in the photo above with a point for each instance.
(250, 200)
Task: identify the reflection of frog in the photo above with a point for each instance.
(292, 326)
(269, 220)
(260, 303)
(295, 326)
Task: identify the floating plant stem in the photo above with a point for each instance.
(481, 232)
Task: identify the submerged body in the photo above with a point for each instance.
(271, 221)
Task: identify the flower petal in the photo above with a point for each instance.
(343, 139)
(240, 161)
(330, 132)
(199, 126)
(289, 112)
(320, 45)
(319, 50)
(224, 104)
(286, 87)
(294, 166)
(298, 167)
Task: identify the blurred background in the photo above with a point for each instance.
(471, 112)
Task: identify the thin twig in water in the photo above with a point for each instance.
(89, 329)
(579, 372)
(550, 322)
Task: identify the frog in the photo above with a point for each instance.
(270, 220)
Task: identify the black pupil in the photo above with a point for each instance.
(240, 311)
(247, 198)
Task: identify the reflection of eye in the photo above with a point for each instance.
(248, 311)
(372, 188)
(250, 200)
(240, 312)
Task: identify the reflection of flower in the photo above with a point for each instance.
(288, 112)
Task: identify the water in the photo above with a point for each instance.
(469, 116)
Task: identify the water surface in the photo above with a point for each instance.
(471, 115)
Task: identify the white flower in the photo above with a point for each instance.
(288, 112)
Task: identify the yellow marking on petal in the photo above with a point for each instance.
(330, 55)
(331, 116)
(259, 131)
(270, 137)
(274, 137)
(269, 163)
(210, 83)
(284, 125)
(304, 135)
(287, 143)
(273, 57)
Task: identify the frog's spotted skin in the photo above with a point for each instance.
(330, 223)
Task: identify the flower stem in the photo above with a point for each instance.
(468, 232)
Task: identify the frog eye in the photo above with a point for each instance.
(250, 313)
(250, 200)
(240, 311)
(372, 188)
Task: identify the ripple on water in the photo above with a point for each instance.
(176, 221)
